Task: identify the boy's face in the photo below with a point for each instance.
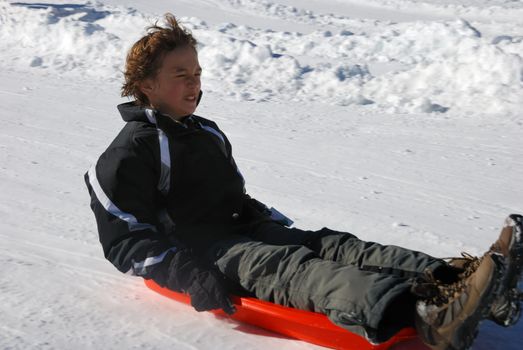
(174, 90)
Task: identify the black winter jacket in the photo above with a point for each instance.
(163, 185)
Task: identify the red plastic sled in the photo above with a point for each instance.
(308, 326)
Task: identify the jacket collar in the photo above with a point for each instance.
(131, 111)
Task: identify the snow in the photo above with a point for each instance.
(398, 120)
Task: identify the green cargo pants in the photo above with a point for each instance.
(355, 283)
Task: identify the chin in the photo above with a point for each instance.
(183, 112)
(191, 111)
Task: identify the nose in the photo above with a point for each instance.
(193, 81)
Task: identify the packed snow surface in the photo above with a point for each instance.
(398, 120)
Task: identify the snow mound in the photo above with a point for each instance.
(435, 66)
(500, 10)
(82, 39)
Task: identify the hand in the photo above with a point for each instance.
(208, 293)
(205, 286)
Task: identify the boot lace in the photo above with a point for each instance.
(471, 265)
(448, 292)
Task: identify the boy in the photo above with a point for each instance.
(171, 206)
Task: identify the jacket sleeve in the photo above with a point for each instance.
(124, 199)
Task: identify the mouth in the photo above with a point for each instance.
(191, 98)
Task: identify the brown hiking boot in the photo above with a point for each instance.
(506, 308)
(450, 318)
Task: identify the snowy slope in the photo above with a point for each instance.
(397, 120)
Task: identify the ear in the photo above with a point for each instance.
(146, 86)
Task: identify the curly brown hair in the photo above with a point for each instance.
(146, 55)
